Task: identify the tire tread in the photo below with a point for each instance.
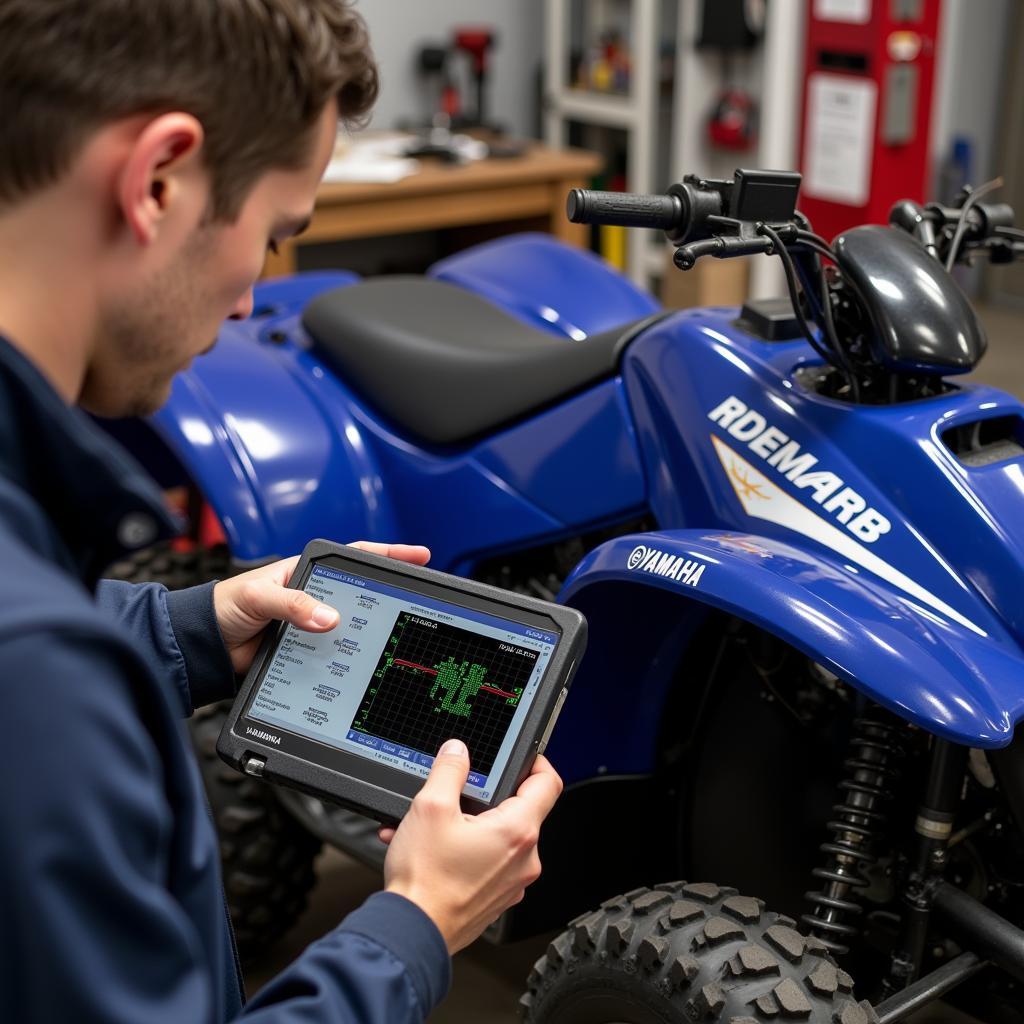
(682, 953)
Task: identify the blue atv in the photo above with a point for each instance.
(797, 534)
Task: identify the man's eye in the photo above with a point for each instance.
(272, 246)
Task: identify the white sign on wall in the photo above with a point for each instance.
(838, 142)
(856, 11)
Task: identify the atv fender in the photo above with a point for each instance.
(266, 435)
(548, 284)
(642, 592)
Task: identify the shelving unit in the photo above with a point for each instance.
(665, 135)
(635, 113)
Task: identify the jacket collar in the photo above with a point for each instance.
(99, 502)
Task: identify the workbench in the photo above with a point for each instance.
(444, 195)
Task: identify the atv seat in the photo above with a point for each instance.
(446, 365)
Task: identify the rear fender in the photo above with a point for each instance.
(645, 594)
(548, 284)
(283, 296)
(269, 440)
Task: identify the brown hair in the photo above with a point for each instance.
(255, 73)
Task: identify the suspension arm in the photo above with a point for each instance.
(932, 986)
(991, 935)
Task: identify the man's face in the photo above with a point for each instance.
(151, 328)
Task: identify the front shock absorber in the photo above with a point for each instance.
(859, 820)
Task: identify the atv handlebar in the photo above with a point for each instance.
(726, 218)
(697, 209)
(627, 209)
(755, 212)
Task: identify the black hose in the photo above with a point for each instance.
(822, 248)
(961, 224)
(794, 293)
(833, 334)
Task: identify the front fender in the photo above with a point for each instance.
(267, 436)
(962, 682)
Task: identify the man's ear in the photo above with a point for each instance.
(164, 157)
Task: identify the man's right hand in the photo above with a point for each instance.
(463, 870)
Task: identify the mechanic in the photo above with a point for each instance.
(149, 154)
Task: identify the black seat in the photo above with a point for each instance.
(445, 364)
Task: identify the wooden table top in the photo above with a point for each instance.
(538, 163)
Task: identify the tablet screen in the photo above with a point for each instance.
(403, 672)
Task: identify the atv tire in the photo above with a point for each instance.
(266, 855)
(679, 953)
(175, 569)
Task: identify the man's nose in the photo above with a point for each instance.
(243, 308)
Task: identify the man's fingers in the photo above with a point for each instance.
(447, 777)
(265, 601)
(416, 554)
(541, 788)
(283, 570)
(385, 835)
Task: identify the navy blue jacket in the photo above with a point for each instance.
(111, 904)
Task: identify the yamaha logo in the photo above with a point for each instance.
(661, 563)
(261, 735)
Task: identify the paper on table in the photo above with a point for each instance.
(382, 170)
(372, 159)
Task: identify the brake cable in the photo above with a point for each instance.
(837, 357)
(961, 224)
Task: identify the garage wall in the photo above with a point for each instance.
(398, 28)
(971, 79)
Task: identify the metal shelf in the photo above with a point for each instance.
(636, 114)
(697, 80)
(597, 108)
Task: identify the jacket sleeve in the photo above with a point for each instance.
(84, 850)
(177, 632)
(385, 962)
(86, 840)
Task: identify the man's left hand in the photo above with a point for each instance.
(246, 604)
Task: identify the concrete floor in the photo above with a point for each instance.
(488, 980)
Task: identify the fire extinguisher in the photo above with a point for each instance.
(731, 27)
(733, 120)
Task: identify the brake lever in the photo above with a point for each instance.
(1018, 251)
(721, 248)
(1000, 250)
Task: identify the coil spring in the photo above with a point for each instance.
(857, 823)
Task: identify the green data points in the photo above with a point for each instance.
(460, 683)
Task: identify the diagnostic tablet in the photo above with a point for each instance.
(357, 714)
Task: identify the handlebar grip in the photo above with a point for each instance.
(627, 209)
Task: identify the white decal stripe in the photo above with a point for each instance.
(765, 500)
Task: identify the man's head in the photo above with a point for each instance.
(168, 143)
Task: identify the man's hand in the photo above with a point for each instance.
(463, 870)
(245, 604)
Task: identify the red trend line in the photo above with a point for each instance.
(412, 664)
(491, 689)
(433, 672)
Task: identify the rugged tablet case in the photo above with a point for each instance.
(377, 802)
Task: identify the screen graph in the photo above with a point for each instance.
(435, 681)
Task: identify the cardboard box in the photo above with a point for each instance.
(710, 283)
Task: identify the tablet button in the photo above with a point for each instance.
(254, 765)
(551, 721)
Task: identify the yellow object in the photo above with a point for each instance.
(601, 75)
(613, 245)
